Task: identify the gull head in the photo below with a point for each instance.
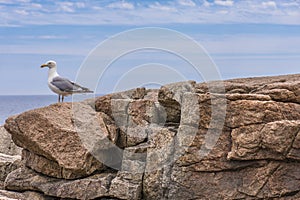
(50, 64)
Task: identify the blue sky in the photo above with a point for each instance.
(244, 38)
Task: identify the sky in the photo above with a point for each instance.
(243, 38)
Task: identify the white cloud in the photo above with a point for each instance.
(51, 37)
(293, 4)
(145, 13)
(21, 12)
(97, 8)
(121, 5)
(80, 5)
(42, 37)
(224, 2)
(223, 12)
(52, 49)
(206, 3)
(66, 6)
(24, 1)
(250, 44)
(36, 5)
(158, 6)
(269, 4)
(187, 3)
(6, 1)
(70, 6)
(288, 4)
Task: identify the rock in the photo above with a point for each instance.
(120, 186)
(257, 128)
(6, 144)
(284, 181)
(104, 103)
(258, 85)
(264, 141)
(260, 112)
(236, 139)
(42, 164)
(160, 158)
(294, 152)
(134, 119)
(8, 164)
(98, 134)
(282, 91)
(170, 97)
(134, 160)
(249, 183)
(24, 179)
(142, 112)
(124, 188)
(160, 152)
(141, 115)
(50, 134)
(152, 185)
(7, 195)
(128, 183)
(132, 111)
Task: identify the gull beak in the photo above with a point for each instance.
(44, 65)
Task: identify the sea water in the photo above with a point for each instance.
(16, 104)
(12, 105)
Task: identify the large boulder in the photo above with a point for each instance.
(25, 179)
(252, 153)
(54, 140)
(102, 185)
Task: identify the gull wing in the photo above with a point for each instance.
(65, 85)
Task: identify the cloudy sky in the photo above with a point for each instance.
(243, 38)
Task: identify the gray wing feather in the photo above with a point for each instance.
(66, 85)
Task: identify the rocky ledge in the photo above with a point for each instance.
(236, 139)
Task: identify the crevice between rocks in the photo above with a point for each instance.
(292, 143)
(268, 177)
(142, 184)
(290, 194)
(106, 198)
(169, 168)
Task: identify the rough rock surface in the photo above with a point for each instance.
(7, 146)
(53, 144)
(10, 158)
(237, 139)
(24, 179)
(9, 195)
(8, 164)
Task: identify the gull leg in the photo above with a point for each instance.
(62, 98)
(58, 98)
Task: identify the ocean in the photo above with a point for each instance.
(12, 105)
(16, 104)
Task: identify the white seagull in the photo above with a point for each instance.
(62, 86)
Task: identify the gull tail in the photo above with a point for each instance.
(82, 90)
(79, 89)
(86, 90)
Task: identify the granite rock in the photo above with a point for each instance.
(233, 139)
(7, 146)
(52, 135)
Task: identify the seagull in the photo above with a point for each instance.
(62, 86)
